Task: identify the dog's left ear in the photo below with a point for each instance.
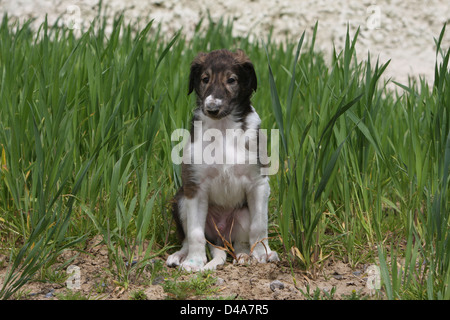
(247, 66)
(196, 69)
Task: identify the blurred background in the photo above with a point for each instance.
(403, 31)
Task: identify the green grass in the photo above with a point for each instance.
(318, 294)
(199, 285)
(85, 126)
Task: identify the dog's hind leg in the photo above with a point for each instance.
(257, 198)
(240, 236)
(219, 258)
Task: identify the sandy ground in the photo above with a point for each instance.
(391, 29)
(271, 281)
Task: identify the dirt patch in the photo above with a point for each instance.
(281, 282)
(272, 281)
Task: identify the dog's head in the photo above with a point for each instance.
(223, 81)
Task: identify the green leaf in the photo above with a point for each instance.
(327, 172)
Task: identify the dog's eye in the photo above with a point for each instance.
(231, 80)
(205, 80)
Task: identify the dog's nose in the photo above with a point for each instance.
(212, 105)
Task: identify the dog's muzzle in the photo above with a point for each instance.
(212, 106)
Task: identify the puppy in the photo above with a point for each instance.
(226, 196)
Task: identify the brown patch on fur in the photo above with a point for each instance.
(189, 186)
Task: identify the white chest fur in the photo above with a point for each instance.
(223, 157)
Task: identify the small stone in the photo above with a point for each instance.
(134, 262)
(276, 285)
(50, 294)
(158, 280)
(337, 275)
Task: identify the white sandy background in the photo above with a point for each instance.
(402, 31)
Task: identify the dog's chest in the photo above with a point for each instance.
(226, 171)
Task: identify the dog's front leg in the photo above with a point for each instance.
(257, 199)
(196, 211)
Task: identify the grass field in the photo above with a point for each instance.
(85, 127)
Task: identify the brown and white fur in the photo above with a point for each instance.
(232, 197)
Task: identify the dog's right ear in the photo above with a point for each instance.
(196, 69)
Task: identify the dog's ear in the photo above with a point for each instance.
(196, 69)
(247, 66)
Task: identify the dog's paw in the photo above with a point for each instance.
(213, 264)
(174, 260)
(243, 258)
(193, 264)
(263, 257)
